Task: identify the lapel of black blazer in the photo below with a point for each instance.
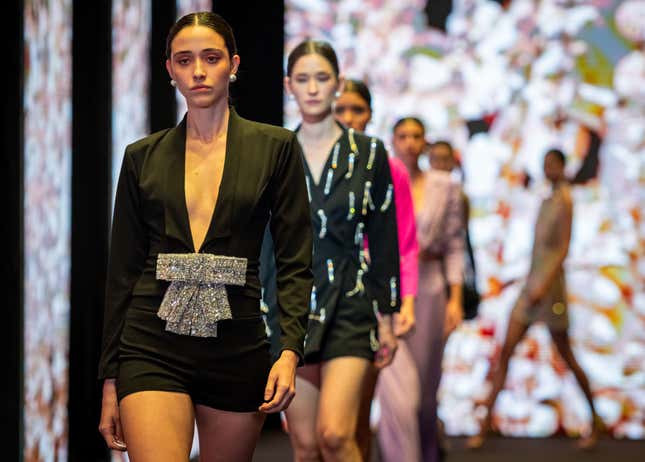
(317, 192)
(222, 220)
(176, 214)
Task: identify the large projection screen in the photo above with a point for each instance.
(504, 84)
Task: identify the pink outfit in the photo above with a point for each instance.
(405, 222)
(407, 429)
(398, 384)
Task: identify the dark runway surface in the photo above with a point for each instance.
(274, 447)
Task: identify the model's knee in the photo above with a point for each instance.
(335, 439)
(305, 447)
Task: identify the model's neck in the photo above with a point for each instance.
(208, 124)
(313, 131)
(412, 166)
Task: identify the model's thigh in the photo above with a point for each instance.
(342, 381)
(227, 436)
(157, 426)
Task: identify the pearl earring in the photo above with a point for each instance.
(337, 94)
(232, 78)
(173, 83)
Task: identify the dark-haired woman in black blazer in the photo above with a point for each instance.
(183, 337)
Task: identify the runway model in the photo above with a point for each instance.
(183, 336)
(350, 322)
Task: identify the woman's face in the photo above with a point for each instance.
(408, 142)
(352, 111)
(201, 66)
(553, 168)
(441, 158)
(313, 83)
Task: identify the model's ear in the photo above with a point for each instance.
(287, 85)
(341, 83)
(235, 64)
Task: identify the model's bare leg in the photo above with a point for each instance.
(302, 414)
(561, 340)
(225, 435)
(157, 426)
(340, 398)
(363, 430)
(514, 334)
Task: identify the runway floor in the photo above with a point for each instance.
(274, 447)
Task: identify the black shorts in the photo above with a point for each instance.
(228, 372)
(353, 331)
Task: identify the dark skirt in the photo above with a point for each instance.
(228, 372)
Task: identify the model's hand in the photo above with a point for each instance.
(281, 385)
(454, 316)
(387, 341)
(110, 425)
(404, 320)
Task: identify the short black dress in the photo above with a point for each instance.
(262, 183)
(353, 200)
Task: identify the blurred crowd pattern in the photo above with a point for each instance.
(47, 222)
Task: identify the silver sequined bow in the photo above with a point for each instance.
(196, 298)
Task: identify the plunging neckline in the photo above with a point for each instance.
(326, 165)
(216, 206)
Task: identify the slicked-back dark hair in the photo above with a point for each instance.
(445, 144)
(207, 19)
(313, 47)
(557, 153)
(415, 120)
(358, 87)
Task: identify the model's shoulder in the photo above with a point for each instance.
(267, 130)
(363, 139)
(143, 145)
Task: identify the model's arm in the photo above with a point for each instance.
(408, 246)
(454, 257)
(381, 227)
(128, 251)
(383, 277)
(292, 239)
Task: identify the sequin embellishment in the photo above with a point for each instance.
(330, 270)
(370, 162)
(374, 343)
(334, 158)
(359, 288)
(350, 170)
(393, 292)
(352, 206)
(196, 298)
(323, 224)
(367, 199)
(388, 198)
(330, 176)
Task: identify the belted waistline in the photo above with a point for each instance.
(196, 298)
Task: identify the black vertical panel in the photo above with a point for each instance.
(259, 31)
(437, 12)
(11, 231)
(162, 104)
(91, 159)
